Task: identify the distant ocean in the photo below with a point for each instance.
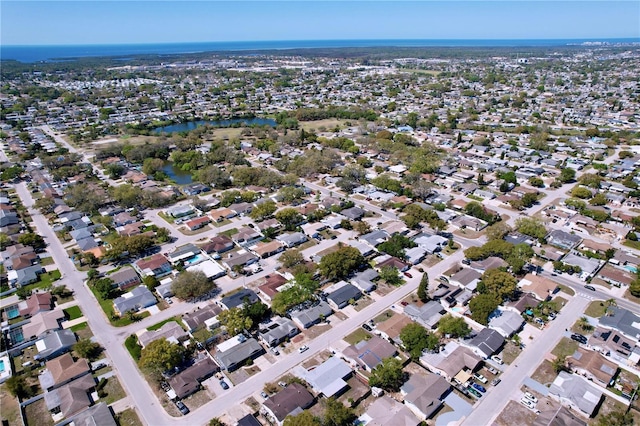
(55, 53)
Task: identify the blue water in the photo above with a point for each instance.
(198, 258)
(630, 268)
(47, 53)
(2, 366)
(191, 125)
(180, 177)
(12, 312)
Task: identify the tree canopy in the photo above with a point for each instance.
(415, 338)
(188, 285)
(388, 375)
(456, 327)
(482, 305)
(531, 226)
(341, 263)
(498, 283)
(161, 355)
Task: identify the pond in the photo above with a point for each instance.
(191, 125)
(180, 177)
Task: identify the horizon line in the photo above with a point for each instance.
(594, 38)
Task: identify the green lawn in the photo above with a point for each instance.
(166, 217)
(566, 347)
(229, 232)
(202, 334)
(357, 336)
(107, 307)
(595, 309)
(161, 323)
(73, 312)
(114, 391)
(128, 418)
(46, 261)
(632, 244)
(46, 280)
(135, 350)
(567, 290)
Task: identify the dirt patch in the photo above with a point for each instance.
(363, 303)
(198, 399)
(128, 417)
(36, 414)
(383, 288)
(629, 296)
(383, 316)
(315, 331)
(238, 376)
(468, 233)
(510, 352)
(545, 373)
(609, 405)
(10, 407)
(515, 414)
(340, 315)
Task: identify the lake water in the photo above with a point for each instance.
(191, 125)
(179, 176)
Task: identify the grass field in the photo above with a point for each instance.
(46, 280)
(128, 417)
(357, 336)
(161, 323)
(73, 312)
(566, 347)
(107, 307)
(328, 124)
(596, 309)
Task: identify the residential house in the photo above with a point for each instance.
(614, 344)
(525, 303)
(210, 268)
(467, 278)
(353, 213)
(563, 239)
(364, 280)
(202, 317)
(368, 354)
(247, 236)
(306, 318)
(292, 239)
(239, 258)
(289, 401)
(156, 266)
(181, 211)
(542, 288)
(218, 244)
(239, 298)
(182, 253)
(616, 276)
(343, 296)
(271, 286)
(486, 343)
(506, 323)
(364, 249)
(98, 414)
(125, 278)
(561, 417)
(234, 353)
(387, 411)
(54, 344)
(277, 331)
(241, 208)
(470, 222)
(219, 215)
(375, 238)
(391, 328)
(488, 263)
(37, 302)
(451, 360)
(135, 300)
(426, 315)
(122, 219)
(24, 276)
(328, 378)
(392, 262)
(61, 370)
(622, 320)
(170, 330)
(593, 366)
(575, 392)
(423, 394)
(41, 323)
(197, 223)
(71, 398)
(188, 380)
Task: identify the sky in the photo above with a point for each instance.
(26, 22)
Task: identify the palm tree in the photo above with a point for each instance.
(611, 302)
(584, 324)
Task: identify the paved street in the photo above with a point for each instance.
(494, 401)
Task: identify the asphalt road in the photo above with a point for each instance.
(497, 398)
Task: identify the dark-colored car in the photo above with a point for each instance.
(590, 287)
(474, 392)
(408, 275)
(183, 408)
(579, 338)
(479, 387)
(224, 385)
(366, 327)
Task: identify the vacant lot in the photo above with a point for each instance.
(515, 414)
(10, 411)
(596, 309)
(37, 414)
(357, 336)
(545, 373)
(128, 417)
(565, 347)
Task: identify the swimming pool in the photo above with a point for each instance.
(630, 268)
(194, 260)
(12, 312)
(2, 366)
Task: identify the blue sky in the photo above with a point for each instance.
(26, 22)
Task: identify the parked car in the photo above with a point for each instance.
(492, 370)
(551, 316)
(590, 287)
(480, 377)
(282, 384)
(527, 403)
(466, 261)
(474, 392)
(579, 338)
(264, 395)
(224, 385)
(183, 408)
(530, 397)
(408, 275)
(275, 351)
(495, 381)
(366, 327)
(303, 348)
(443, 279)
(479, 387)
(497, 359)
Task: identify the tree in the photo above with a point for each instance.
(415, 338)
(536, 182)
(263, 211)
(567, 175)
(598, 200)
(455, 327)
(235, 320)
(482, 305)
(337, 414)
(151, 282)
(23, 293)
(303, 419)
(591, 180)
(390, 275)
(497, 231)
(388, 375)
(291, 258)
(85, 348)
(362, 228)
(18, 387)
(531, 226)
(560, 363)
(584, 324)
(45, 205)
(498, 283)
(105, 288)
(529, 199)
(289, 218)
(581, 192)
(161, 355)
(423, 288)
(395, 246)
(216, 422)
(188, 285)
(341, 263)
(33, 240)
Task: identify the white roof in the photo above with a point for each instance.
(208, 267)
